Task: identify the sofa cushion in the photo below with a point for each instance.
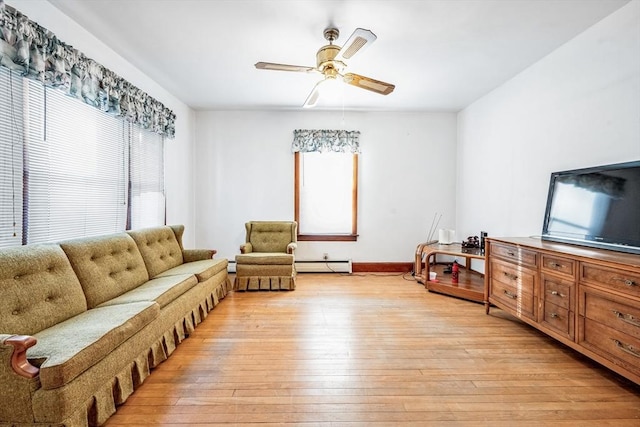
(38, 289)
(73, 346)
(262, 258)
(107, 266)
(203, 269)
(159, 248)
(162, 290)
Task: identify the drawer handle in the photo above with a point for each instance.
(628, 318)
(511, 253)
(511, 276)
(554, 315)
(627, 282)
(627, 348)
(558, 294)
(555, 265)
(510, 295)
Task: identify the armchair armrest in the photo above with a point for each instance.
(246, 248)
(190, 255)
(291, 247)
(16, 346)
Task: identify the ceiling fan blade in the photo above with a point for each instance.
(370, 84)
(283, 67)
(359, 40)
(313, 97)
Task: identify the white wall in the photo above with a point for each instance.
(577, 107)
(407, 174)
(180, 152)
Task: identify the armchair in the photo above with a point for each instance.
(266, 260)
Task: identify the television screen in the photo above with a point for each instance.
(597, 207)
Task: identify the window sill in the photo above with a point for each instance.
(327, 237)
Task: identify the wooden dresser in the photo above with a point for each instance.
(588, 299)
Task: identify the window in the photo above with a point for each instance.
(146, 195)
(326, 195)
(70, 170)
(11, 136)
(75, 168)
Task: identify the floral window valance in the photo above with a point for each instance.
(36, 53)
(340, 141)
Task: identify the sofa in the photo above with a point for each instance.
(83, 321)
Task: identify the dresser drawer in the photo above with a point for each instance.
(519, 302)
(616, 279)
(557, 318)
(513, 288)
(514, 276)
(613, 312)
(558, 291)
(514, 253)
(559, 265)
(620, 348)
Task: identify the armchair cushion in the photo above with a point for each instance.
(271, 236)
(265, 258)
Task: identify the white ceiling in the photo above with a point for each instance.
(441, 54)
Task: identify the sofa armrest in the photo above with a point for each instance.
(17, 346)
(246, 248)
(190, 255)
(291, 247)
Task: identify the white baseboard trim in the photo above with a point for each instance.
(313, 266)
(322, 266)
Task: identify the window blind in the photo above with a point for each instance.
(76, 168)
(11, 137)
(146, 193)
(325, 189)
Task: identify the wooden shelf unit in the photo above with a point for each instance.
(470, 284)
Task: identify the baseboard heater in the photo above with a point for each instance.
(313, 266)
(324, 266)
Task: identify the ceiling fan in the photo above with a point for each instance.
(331, 63)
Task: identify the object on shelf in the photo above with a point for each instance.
(472, 243)
(446, 237)
(455, 271)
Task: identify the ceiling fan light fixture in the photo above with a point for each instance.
(330, 62)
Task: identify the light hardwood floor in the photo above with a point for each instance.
(373, 350)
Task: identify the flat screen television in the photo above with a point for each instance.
(597, 207)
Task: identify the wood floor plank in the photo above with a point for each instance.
(373, 350)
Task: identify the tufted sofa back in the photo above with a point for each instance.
(39, 289)
(107, 266)
(159, 247)
(271, 236)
